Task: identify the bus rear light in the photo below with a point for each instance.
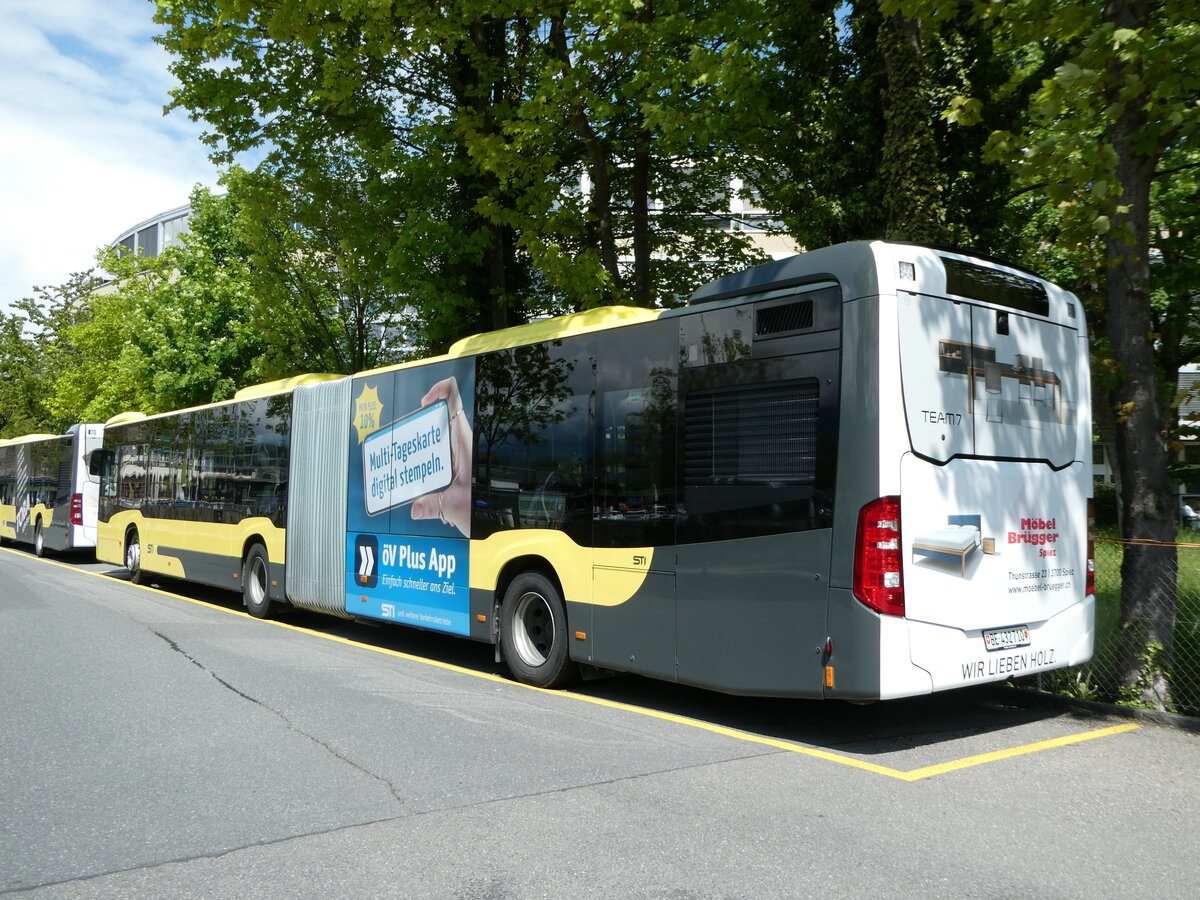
(77, 509)
(1091, 548)
(877, 557)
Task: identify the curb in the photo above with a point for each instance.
(1057, 701)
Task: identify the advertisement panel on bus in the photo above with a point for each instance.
(409, 511)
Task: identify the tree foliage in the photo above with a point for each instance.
(470, 129)
(33, 349)
(1115, 125)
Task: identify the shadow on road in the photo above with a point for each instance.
(868, 729)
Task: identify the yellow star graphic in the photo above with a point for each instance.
(368, 412)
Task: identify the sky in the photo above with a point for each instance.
(85, 150)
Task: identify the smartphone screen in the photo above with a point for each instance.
(407, 459)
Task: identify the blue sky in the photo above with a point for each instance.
(85, 151)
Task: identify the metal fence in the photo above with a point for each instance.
(1129, 667)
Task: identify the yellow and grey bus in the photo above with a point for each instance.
(861, 472)
(47, 497)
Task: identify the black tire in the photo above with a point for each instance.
(133, 556)
(256, 582)
(533, 632)
(39, 542)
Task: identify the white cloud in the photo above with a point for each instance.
(85, 151)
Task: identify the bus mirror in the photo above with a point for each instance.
(95, 462)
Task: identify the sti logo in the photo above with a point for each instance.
(366, 553)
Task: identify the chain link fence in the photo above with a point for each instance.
(1149, 658)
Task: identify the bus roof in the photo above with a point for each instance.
(864, 268)
(30, 439)
(268, 389)
(598, 319)
(284, 384)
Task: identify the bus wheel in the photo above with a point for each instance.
(533, 632)
(39, 542)
(133, 556)
(256, 592)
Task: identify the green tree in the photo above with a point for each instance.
(623, 100)
(168, 332)
(1119, 107)
(34, 352)
(388, 87)
(843, 110)
(469, 129)
(315, 266)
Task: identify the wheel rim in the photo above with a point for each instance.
(133, 554)
(39, 543)
(256, 581)
(534, 633)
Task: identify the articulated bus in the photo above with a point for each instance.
(47, 497)
(862, 472)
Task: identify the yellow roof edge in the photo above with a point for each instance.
(407, 364)
(30, 438)
(122, 417)
(284, 384)
(271, 388)
(550, 329)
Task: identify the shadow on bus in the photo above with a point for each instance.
(873, 728)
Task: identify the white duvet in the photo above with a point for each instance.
(956, 538)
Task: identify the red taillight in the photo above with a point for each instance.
(877, 557)
(1091, 547)
(77, 509)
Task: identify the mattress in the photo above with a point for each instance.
(952, 538)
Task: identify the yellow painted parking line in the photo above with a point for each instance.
(953, 765)
(735, 734)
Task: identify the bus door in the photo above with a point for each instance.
(635, 502)
(993, 494)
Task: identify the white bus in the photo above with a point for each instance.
(47, 497)
(862, 472)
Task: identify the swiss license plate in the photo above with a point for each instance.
(1006, 638)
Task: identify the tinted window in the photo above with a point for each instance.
(752, 434)
(7, 475)
(263, 465)
(759, 447)
(533, 439)
(975, 282)
(636, 484)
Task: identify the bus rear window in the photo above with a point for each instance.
(964, 279)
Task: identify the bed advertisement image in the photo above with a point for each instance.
(409, 511)
(960, 546)
(992, 543)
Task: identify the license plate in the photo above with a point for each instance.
(1006, 638)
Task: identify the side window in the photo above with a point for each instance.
(533, 439)
(216, 432)
(636, 422)
(162, 467)
(7, 467)
(755, 434)
(759, 446)
(131, 475)
(263, 466)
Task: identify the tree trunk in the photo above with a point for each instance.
(909, 169)
(1148, 572)
(599, 167)
(640, 199)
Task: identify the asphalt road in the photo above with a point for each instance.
(154, 744)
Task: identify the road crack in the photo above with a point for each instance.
(283, 717)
